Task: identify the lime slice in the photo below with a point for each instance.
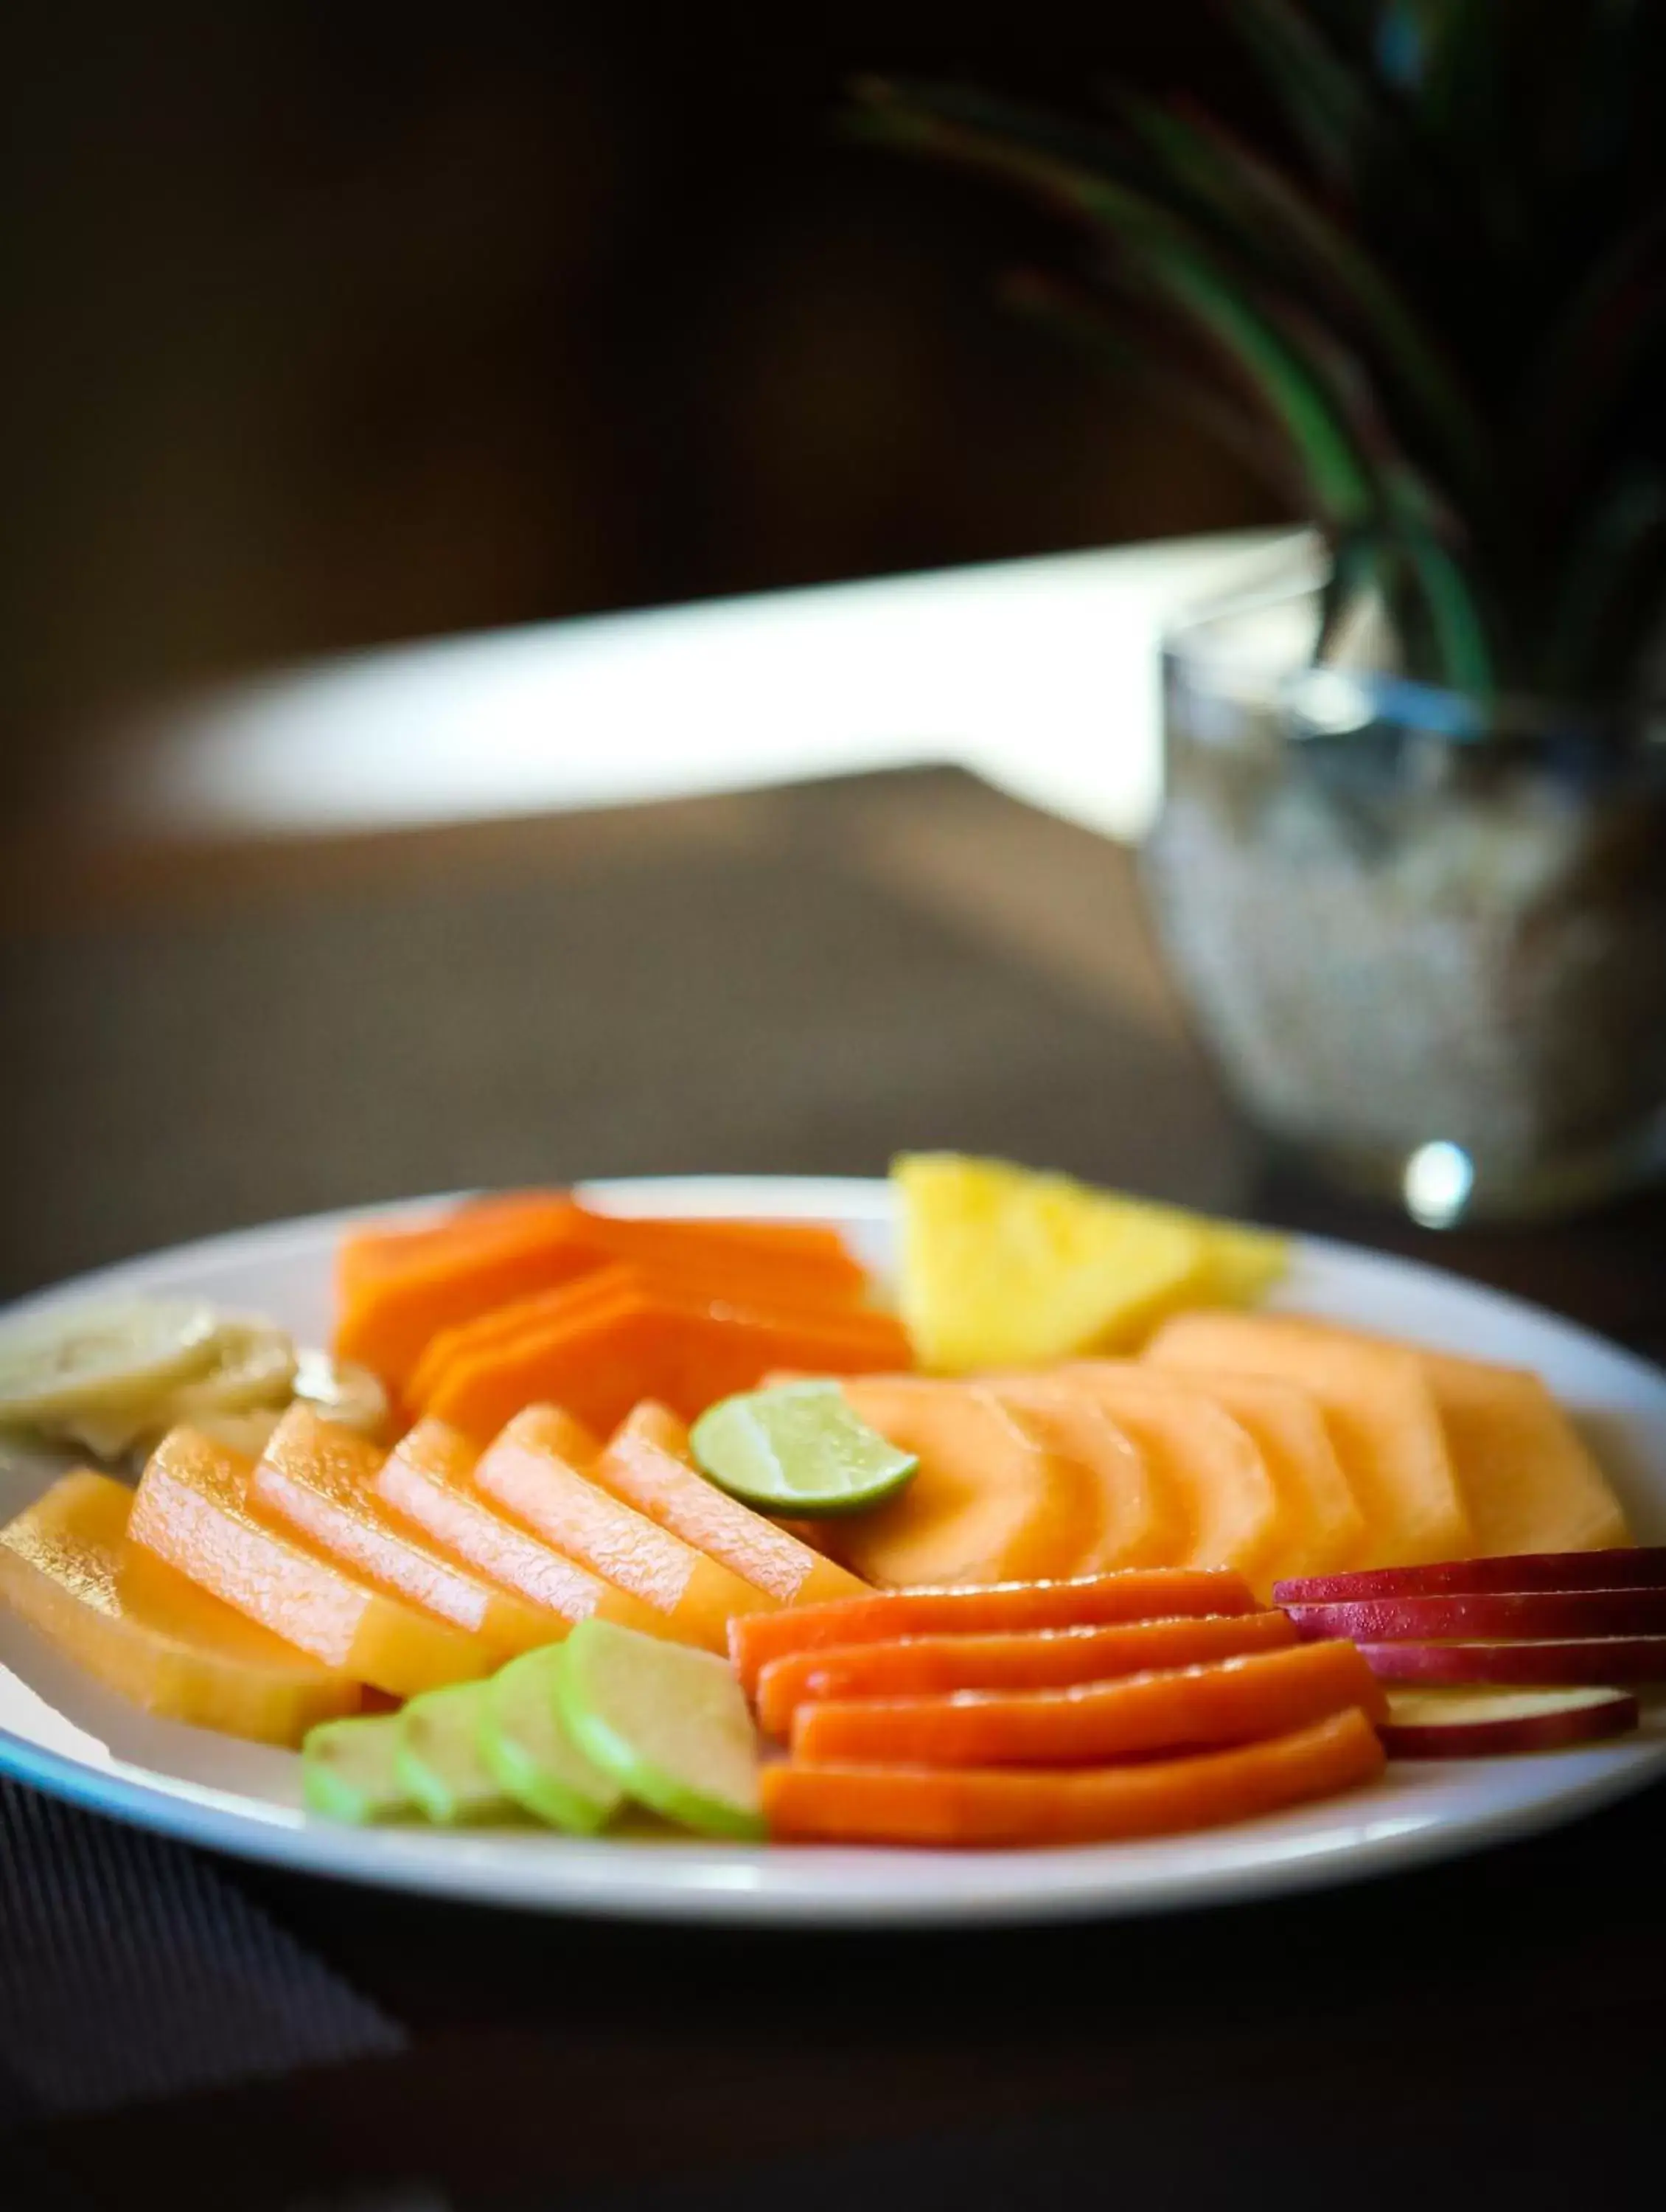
(799, 1449)
(101, 1357)
(436, 1757)
(348, 1771)
(669, 1723)
(525, 1746)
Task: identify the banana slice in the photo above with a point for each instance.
(341, 1392)
(106, 1359)
(254, 1367)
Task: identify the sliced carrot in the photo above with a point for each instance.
(429, 1479)
(650, 1343)
(644, 1464)
(1239, 1700)
(948, 1808)
(1043, 1659)
(191, 1509)
(528, 1472)
(319, 1479)
(1147, 1593)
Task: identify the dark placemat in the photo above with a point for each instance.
(132, 1968)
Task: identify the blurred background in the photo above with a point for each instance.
(339, 325)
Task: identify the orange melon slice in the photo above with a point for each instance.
(647, 1463)
(1213, 1465)
(319, 1479)
(66, 1568)
(529, 1471)
(1528, 1481)
(428, 1480)
(1379, 1407)
(192, 1510)
(990, 1503)
(1323, 1520)
(1140, 1520)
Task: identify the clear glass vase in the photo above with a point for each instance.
(1427, 948)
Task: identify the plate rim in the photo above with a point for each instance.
(734, 1884)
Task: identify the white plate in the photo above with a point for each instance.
(67, 1736)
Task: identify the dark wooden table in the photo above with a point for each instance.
(798, 982)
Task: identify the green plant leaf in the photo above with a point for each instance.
(1079, 315)
(1614, 584)
(1332, 106)
(1263, 212)
(1171, 261)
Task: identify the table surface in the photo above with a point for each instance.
(796, 980)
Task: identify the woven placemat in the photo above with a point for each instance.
(133, 1968)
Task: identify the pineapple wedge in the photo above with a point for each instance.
(1005, 1266)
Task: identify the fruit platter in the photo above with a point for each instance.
(973, 1544)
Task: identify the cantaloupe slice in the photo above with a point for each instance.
(528, 1471)
(1381, 1412)
(990, 1503)
(1141, 1522)
(647, 1463)
(1004, 1268)
(1232, 1509)
(192, 1510)
(66, 1568)
(1527, 1480)
(1321, 1517)
(319, 1479)
(429, 1479)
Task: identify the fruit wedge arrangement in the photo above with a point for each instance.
(532, 1299)
(1079, 1546)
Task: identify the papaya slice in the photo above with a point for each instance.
(320, 1480)
(530, 1471)
(429, 1479)
(66, 1568)
(647, 1463)
(192, 1510)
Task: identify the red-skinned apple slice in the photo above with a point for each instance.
(1558, 1662)
(1487, 1615)
(1480, 1724)
(1635, 1567)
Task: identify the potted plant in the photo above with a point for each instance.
(1411, 867)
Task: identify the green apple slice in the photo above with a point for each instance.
(436, 1757)
(799, 1449)
(526, 1747)
(348, 1771)
(669, 1723)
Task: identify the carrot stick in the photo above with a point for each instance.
(1241, 1700)
(1046, 1659)
(947, 1807)
(989, 1609)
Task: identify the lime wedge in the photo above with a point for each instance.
(799, 1449)
(526, 1749)
(436, 1757)
(346, 1771)
(669, 1723)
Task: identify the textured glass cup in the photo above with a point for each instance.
(1427, 949)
